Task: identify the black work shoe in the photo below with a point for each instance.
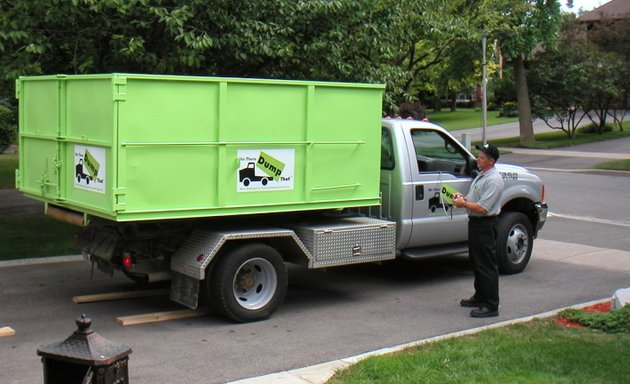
(470, 303)
(484, 311)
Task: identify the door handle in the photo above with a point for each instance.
(419, 192)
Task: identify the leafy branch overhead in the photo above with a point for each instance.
(386, 41)
(421, 49)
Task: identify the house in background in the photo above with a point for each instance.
(613, 10)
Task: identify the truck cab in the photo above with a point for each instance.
(417, 159)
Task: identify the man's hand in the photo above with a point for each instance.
(459, 200)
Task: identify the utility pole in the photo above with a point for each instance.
(484, 88)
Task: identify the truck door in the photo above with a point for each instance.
(437, 160)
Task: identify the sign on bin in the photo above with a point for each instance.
(89, 168)
(265, 170)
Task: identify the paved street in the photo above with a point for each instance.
(581, 255)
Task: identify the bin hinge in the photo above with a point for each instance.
(120, 88)
(119, 199)
(56, 162)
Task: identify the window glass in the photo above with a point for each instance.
(437, 153)
(387, 150)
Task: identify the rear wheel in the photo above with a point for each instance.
(515, 240)
(249, 282)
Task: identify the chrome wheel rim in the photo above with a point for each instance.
(517, 244)
(255, 283)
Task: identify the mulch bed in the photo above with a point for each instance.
(601, 307)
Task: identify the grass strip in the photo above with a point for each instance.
(464, 118)
(536, 352)
(618, 165)
(558, 139)
(35, 236)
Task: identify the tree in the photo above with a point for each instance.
(559, 80)
(528, 24)
(604, 88)
(613, 36)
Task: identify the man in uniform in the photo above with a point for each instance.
(483, 203)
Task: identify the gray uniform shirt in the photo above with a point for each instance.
(486, 191)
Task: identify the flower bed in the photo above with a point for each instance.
(596, 316)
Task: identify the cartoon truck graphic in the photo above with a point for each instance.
(248, 174)
(434, 203)
(80, 175)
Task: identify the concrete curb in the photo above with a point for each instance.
(40, 260)
(320, 373)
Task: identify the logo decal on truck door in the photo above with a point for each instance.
(265, 170)
(89, 168)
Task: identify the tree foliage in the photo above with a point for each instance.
(386, 41)
(410, 45)
(612, 36)
(577, 80)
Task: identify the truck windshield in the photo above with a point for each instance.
(437, 153)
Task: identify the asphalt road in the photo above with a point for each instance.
(327, 315)
(330, 314)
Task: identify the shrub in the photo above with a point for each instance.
(414, 110)
(509, 109)
(592, 129)
(7, 124)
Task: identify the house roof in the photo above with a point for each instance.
(615, 9)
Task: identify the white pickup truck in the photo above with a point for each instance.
(237, 264)
(417, 159)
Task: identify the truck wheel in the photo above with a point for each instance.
(264, 181)
(515, 240)
(249, 282)
(246, 182)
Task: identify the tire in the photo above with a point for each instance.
(246, 182)
(515, 241)
(264, 181)
(248, 282)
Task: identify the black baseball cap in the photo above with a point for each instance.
(489, 150)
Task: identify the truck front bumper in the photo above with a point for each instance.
(542, 210)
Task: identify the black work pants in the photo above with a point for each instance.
(482, 246)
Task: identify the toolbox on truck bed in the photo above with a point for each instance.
(130, 147)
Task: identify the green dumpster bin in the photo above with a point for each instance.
(129, 147)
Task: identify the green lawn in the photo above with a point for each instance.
(8, 165)
(617, 165)
(24, 236)
(536, 352)
(465, 118)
